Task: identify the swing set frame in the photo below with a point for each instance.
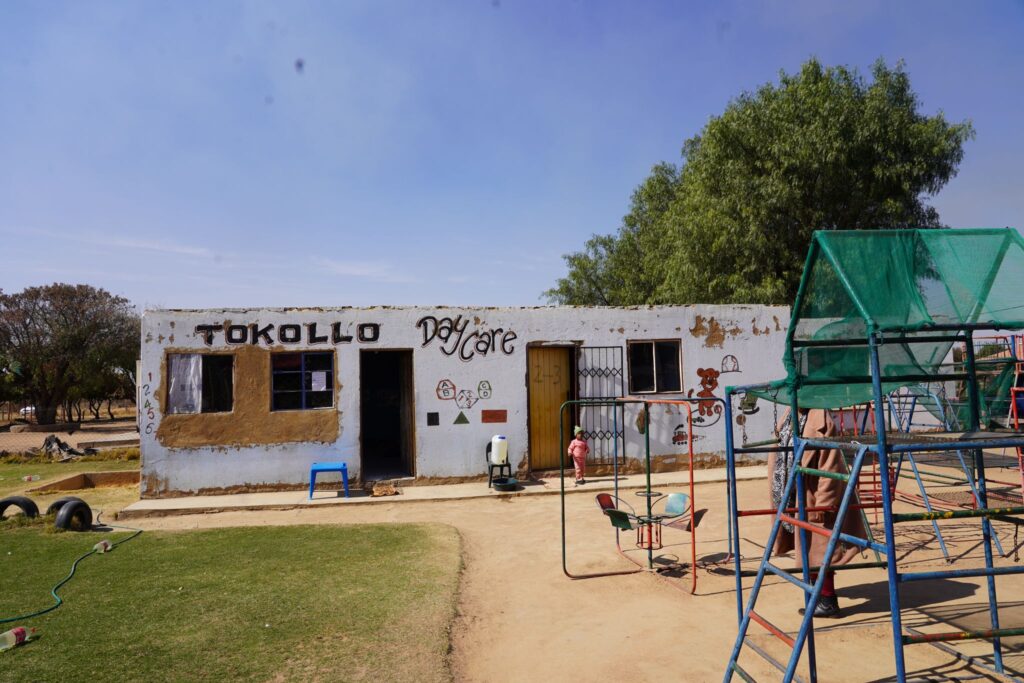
(650, 518)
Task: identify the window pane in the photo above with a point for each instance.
(184, 382)
(218, 389)
(320, 361)
(287, 400)
(668, 366)
(286, 361)
(641, 367)
(319, 399)
(298, 375)
(287, 381)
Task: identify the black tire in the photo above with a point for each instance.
(75, 515)
(56, 505)
(28, 508)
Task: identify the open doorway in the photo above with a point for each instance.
(386, 406)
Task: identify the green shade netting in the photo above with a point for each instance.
(947, 401)
(902, 283)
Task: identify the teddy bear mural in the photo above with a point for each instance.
(708, 410)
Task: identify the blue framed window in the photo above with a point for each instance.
(302, 381)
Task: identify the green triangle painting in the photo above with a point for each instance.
(461, 419)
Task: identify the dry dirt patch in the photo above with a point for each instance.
(521, 619)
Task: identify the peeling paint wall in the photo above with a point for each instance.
(469, 377)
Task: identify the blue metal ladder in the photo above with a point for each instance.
(811, 591)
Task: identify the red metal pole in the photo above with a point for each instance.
(1016, 426)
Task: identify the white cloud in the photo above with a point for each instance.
(113, 241)
(375, 271)
(159, 246)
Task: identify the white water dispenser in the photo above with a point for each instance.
(499, 450)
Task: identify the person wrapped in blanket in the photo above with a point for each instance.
(821, 492)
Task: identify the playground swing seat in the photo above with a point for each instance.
(609, 505)
(648, 528)
(622, 520)
(676, 505)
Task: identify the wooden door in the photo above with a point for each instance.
(550, 381)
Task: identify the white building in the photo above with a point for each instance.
(247, 399)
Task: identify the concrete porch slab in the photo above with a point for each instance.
(286, 500)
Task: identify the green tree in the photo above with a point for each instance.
(821, 149)
(9, 390)
(62, 338)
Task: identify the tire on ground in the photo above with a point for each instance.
(56, 505)
(75, 515)
(28, 508)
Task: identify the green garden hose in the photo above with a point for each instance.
(74, 566)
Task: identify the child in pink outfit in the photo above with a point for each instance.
(578, 450)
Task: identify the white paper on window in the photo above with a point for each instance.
(185, 386)
(319, 381)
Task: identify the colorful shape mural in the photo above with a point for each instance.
(466, 399)
(446, 390)
(493, 416)
(483, 390)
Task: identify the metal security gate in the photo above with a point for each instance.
(600, 374)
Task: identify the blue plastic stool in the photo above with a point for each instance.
(328, 467)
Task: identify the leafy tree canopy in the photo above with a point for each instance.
(64, 338)
(822, 149)
(8, 388)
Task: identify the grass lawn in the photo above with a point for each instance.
(12, 472)
(109, 500)
(300, 603)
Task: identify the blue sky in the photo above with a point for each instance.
(426, 152)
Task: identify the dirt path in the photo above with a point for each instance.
(521, 619)
(100, 430)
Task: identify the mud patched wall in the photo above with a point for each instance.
(251, 421)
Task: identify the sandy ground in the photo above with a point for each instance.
(521, 619)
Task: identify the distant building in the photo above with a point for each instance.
(246, 399)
